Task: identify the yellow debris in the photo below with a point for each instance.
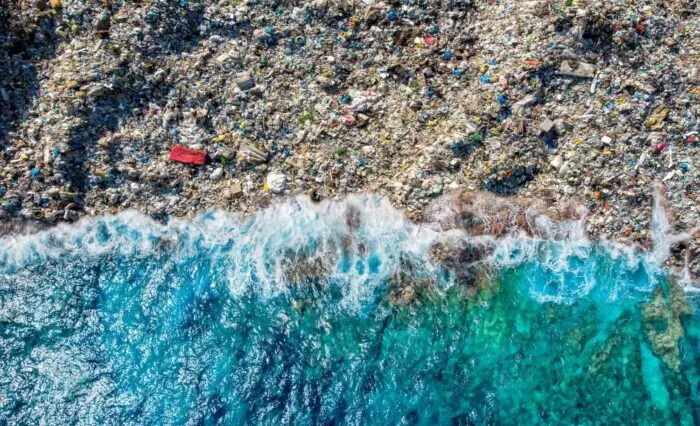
(656, 121)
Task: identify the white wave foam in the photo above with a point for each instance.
(363, 239)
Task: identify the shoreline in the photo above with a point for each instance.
(478, 214)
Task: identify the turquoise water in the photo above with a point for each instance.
(288, 318)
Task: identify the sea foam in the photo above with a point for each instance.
(357, 243)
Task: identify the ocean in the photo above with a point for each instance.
(338, 313)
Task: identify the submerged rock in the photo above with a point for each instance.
(663, 324)
(464, 260)
(404, 288)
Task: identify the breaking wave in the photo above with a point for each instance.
(360, 241)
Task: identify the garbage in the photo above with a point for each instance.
(102, 24)
(557, 162)
(660, 148)
(546, 126)
(217, 174)
(253, 155)
(233, 192)
(186, 155)
(98, 90)
(244, 81)
(580, 69)
(527, 101)
(407, 100)
(276, 182)
(237, 189)
(656, 120)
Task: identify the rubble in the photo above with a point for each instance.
(593, 100)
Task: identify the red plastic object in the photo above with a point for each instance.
(186, 155)
(659, 148)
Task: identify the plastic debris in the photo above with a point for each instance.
(186, 155)
(276, 182)
(253, 155)
(660, 148)
(574, 69)
(244, 81)
(547, 125)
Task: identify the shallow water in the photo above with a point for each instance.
(285, 319)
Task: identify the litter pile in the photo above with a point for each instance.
(177, 107)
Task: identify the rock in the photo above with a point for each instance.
(663, 315)
(277, 182)
(56, 4)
